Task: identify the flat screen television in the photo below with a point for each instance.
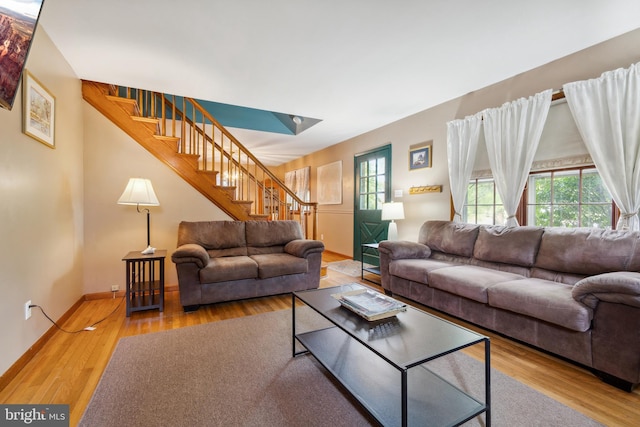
(18, 21)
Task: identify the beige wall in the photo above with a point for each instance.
(41, 208)
(336, 222)
(112, 230)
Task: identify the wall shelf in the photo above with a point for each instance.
(426, 189)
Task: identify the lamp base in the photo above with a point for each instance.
(150, 250)
(392, 234)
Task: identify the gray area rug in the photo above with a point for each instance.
(240, 372)
(349, 267)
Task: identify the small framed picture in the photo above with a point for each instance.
(420, 157)
(39, 111)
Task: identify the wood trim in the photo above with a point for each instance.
(11, 373)
(120, 294)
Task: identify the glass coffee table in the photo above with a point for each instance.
(384, 363)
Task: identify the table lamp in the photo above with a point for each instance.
(139, 192)
(390, 212)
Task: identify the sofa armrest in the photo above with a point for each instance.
(302, 248)
(191, 252)
(621, 287)
(400, 249)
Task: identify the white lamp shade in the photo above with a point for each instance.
(139, 191)
(392, 211)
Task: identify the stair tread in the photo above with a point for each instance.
(145, 119)
(116, 98)
(167, 137)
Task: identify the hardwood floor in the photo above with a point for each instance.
(68, 368)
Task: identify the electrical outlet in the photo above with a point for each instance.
(27, 310)
(322, 237)
(115, 288)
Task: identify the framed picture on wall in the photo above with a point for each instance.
(330, 184)
(39, 105)
(420, 157)
(18, 23)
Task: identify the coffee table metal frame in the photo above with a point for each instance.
(367, 357)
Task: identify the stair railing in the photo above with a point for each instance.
(222, 156)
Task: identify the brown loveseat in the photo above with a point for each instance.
(229, 260)
(572, 292)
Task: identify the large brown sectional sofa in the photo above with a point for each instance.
(229, 260)
(572, 292)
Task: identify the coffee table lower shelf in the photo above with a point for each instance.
(376, 384)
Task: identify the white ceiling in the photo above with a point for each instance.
(355, 64)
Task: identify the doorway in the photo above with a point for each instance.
(372, 179)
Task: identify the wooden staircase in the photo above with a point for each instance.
(202, 152)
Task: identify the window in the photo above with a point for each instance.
(372, 184)
(567, 198)
(483, 205)
(571, 198)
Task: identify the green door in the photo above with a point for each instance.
(372, 188)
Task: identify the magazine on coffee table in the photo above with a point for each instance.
(370, 304)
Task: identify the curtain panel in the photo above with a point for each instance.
(298, 181)
(512, 134)
(607, 112)
(462, 146)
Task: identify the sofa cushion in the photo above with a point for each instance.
(508, 245)
(544, 300)
(229, 268)
(449, 237)
(240, 251)
(584, 251)
(212, 234)
(262, 234)
(556, 276)
(274, 265)
(415, 269)
(468, 281)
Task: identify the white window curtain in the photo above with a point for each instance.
(302, 183)
(462, 145)
(512, 133)
(607, 112)
(298, 182)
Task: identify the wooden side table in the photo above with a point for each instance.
(145, 280)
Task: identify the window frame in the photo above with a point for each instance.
(521, 213)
